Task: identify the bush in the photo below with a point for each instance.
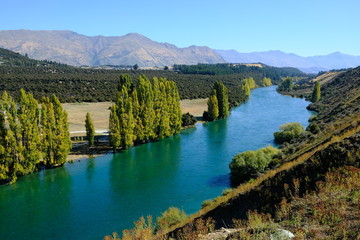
(188, 120)
(226, 191)
(206, 203)
(288, 132)
(171, 217)
(248, 164)
(313, 128)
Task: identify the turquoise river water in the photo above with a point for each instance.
(97, 196)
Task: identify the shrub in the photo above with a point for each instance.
(227, 191)
(171, 217)
(206, 203)
(188, 120)
(248, 164)
(288, 132)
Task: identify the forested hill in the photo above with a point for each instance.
(12, 59)
(230, 68)
(72, 84)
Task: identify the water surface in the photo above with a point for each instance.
(95, 197)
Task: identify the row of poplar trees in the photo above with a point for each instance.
(31, 135)
(144, 110)
(218, 102)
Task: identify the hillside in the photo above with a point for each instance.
(76, 49)
(312, 64)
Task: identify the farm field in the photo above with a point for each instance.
(100, 114)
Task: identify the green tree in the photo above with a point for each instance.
(245, 88)
(287, 84)
(223, 100)
(147, 112)
(114, 128)
(29, 116)
(174, 107)
(126, 119)
(251, 82)
(11, 151)
(62, 135)
(48, 131)
(288, 132)
(316, 94)
(266, 82)
(213, 107)
(124, 80)
(250, 163)
(90, 130)
(136, 67)
(138, 126)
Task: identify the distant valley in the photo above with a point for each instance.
(76, 49)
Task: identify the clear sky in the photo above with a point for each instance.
(303, 27)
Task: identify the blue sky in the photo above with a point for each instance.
(306, 28)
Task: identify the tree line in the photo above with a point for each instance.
(144, 110)
(31, 136)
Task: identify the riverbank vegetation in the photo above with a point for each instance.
(31, 137)
(144, 111)
(302, 163)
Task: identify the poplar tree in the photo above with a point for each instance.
(13, 149)
(316, 94)
(144, 111)
(57, 143)
(28, 116)
(3, 161)
(48, 131)
(114, 128)
(138, 126)
(175, 109)
(251, 82)
(126, 119)
(90, 131)
(62, 135)
(213, 108)
(223, 100)
(147, 113)
(266, 82)
(245, 88)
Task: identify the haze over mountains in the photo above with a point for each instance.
(76, 49)
(312, 64)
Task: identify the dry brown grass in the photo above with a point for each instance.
(77, 111)
(326, 77)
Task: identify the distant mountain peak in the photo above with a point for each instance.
(77, 49)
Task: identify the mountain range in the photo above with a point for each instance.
(312, 64)
(77, 49)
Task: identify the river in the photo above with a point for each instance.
(97, 196)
